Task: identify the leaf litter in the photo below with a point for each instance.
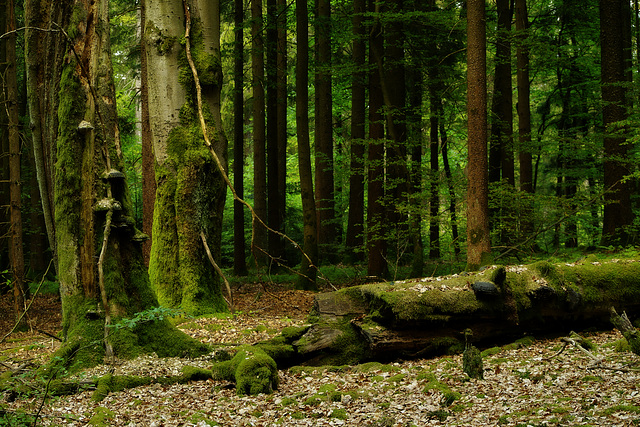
(527, 386)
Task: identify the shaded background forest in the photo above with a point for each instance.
(388, 131)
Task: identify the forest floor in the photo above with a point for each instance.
(527, 385)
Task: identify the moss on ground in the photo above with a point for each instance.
(252, 369)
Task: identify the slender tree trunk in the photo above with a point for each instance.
(415, 84)
(282, 107)
(376, 230)
(274, 217)
(259, 245)
(148, 159)
(20, 288)
(478, 238)
(42, 53)
(618, 212)
(239, 247)
(328, 230)
(5, 195)
(307, 267)
(355, 225)
(434, 196)
(452, 193)
(524, 116)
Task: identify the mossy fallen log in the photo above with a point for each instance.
(426, 317)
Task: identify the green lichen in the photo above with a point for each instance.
(162, 43)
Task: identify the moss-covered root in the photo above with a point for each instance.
(630, 333)
(252, 369)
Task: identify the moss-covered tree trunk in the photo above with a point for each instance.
(101, 273)
(190, 190)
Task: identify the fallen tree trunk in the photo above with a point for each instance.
(426, 317)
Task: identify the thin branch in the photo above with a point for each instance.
(29, 306)
(205, 134)
(219, 271)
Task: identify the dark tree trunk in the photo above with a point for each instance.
(307, 266)
(415, 84)
(376, 227)
(618, 212)
(434, 149)
(20, 288)
(478, 238)
(328, 230)
(239, 246)
(5, 199)
(524, 115)
(260, 238)
(281, 95)
(355, 225)
(274, 216)
(452, 193)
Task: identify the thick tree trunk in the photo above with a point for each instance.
(308, 271)
(478, 238)
(191, 191)
(423, 318)
(102, 276)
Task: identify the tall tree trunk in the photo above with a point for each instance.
(434, 149)
(20, 288)
(282, 134)
(5, 194)
(478, 238)
(42, 60)
(415, 84)
(191, 192)
(618, 212)
(148, 159)
(452, 193)
(524, 115)
(259, 246)
(274, 216)
(376, 227)
(501, 161)
(102, 275)
(239, 246)
(355, 224)
(328, 230)
(307, 267)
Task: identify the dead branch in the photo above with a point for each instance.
(219, 271)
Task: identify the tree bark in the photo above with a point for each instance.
(618, 212)
(355, 224)
(524, 114)
(259, 244)
(20, 288)
(328, 230)
(376, 238)
(478, 238)
(191, 191)
(102, 276)
(308, 271)
(148, 159)
(43, 49)
(239, 245)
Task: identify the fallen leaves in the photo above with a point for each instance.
(522, 386)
